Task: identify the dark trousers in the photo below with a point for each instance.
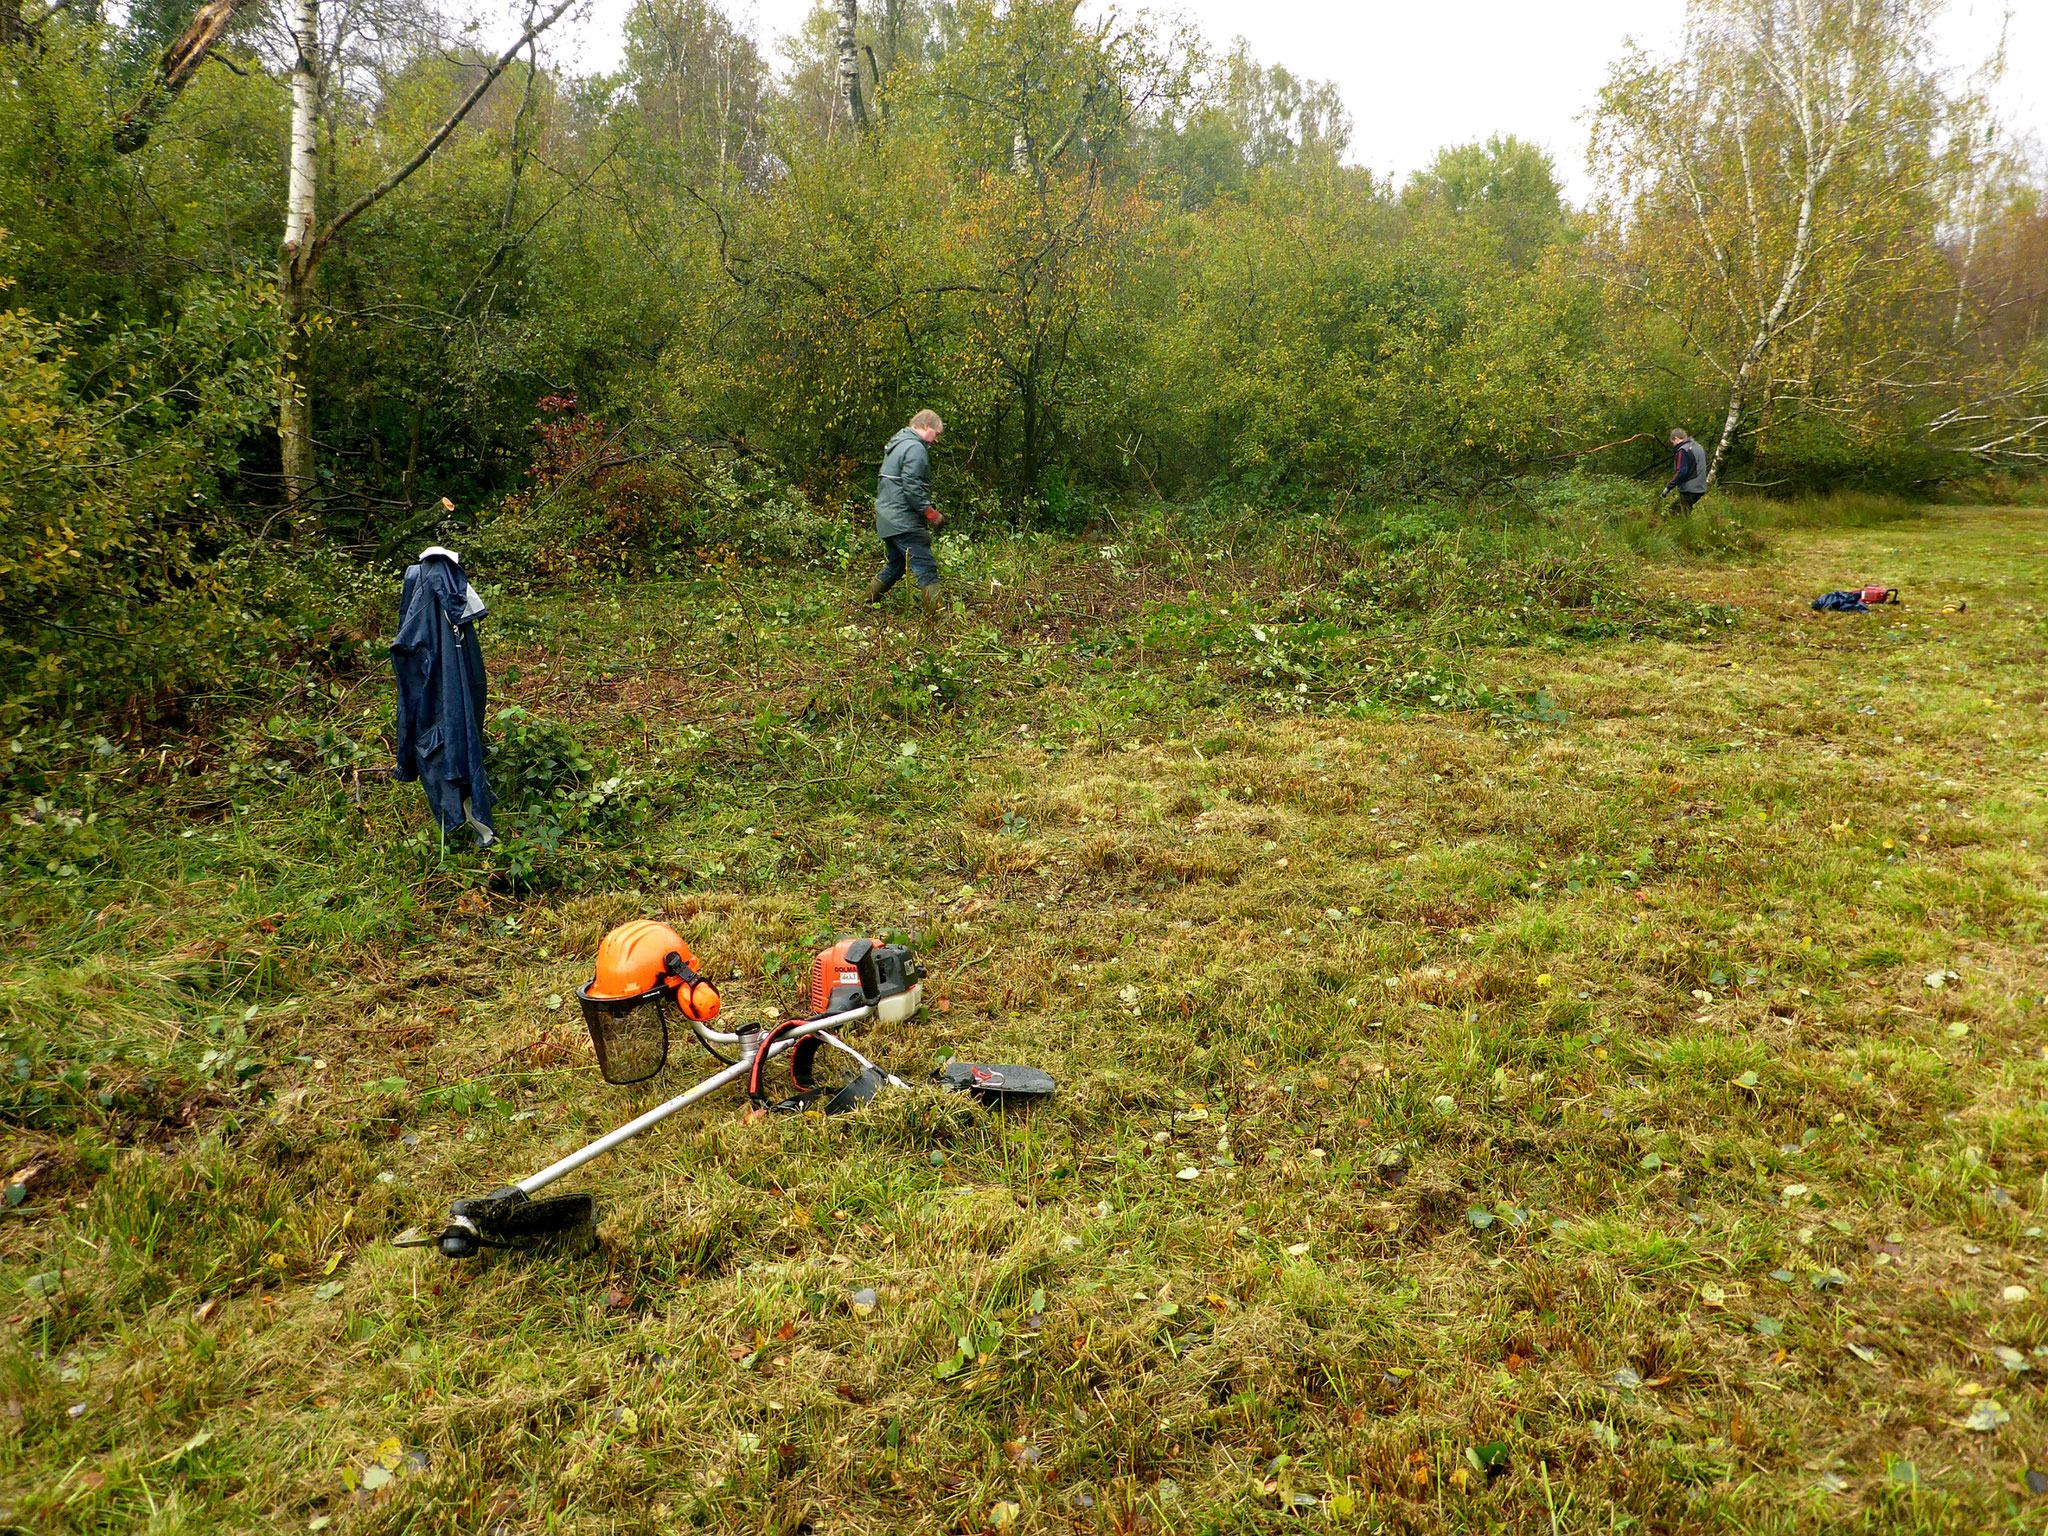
(1689, 499)
(914, 549)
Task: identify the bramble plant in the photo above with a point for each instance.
(108, 600)
(533, 761)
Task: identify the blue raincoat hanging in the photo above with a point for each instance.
(440, 667)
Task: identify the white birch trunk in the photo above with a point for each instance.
(849, 63)
(305, 165)
(1794, 79)
(295, 268)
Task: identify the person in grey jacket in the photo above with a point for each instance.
(1688, 470)
(904, 514)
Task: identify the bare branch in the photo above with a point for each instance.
(397, 178)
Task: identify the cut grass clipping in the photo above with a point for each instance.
(1567, 1059)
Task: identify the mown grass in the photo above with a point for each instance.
(1599, 1003)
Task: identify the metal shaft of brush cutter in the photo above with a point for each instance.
(735, 1073)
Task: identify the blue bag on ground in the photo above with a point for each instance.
(1840, 602)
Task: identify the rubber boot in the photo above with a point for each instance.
(876, 591)
(928, 601)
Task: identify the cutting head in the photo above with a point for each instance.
(510, 1218)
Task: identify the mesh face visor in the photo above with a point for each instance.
(629, 1034)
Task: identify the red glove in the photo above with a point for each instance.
(931, 515)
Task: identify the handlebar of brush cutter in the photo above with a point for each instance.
(865, 1065)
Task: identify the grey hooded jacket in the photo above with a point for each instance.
(904, 491)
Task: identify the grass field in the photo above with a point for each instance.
(1547, 1042)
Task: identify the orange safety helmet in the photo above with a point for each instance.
(637, 958)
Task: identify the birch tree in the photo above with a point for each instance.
(1780, 185)
(701, 85)
(306, 240)
(846, 35)
(173, 72)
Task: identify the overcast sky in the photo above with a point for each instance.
(1421, 74)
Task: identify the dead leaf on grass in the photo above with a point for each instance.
(1986, 1417)
(378, 1469)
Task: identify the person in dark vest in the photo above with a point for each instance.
(904, 514)
(1688, 470)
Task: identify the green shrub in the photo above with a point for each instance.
(105, 499)
(534, 761)
(538, 767)
(662, 513)
(1582, 494)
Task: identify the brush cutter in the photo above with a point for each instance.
(644, 973)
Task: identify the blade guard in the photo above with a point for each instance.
(994, 1083)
